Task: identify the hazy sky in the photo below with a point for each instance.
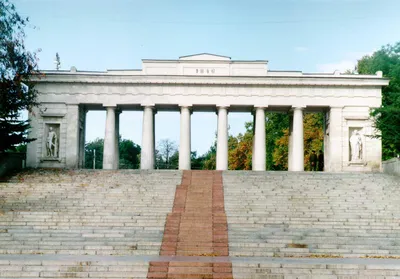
(306, 35)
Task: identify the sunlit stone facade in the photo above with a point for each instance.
(210, 83)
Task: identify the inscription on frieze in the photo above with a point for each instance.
(205, 71)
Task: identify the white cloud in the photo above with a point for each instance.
(348, 63)
(342, 66)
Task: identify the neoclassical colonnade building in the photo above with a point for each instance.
(206, 82)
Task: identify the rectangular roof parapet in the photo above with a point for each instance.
(339, 75)
(121, 70)
(71, 72)
(125, 72)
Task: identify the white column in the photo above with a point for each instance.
(116, 148)
(259, 141)
(298, 140)
(290, 149)
(335, 160)
(253, 142)
(222, 139)
(154, 138)
(109, 140)
(184, 145)
(147, 154)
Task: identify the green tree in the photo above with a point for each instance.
(17, 69)
(387, 117)
(90, 147)
(275, 126)
(21, 148)
(174, 161)
(128, 154)
(210, 158)
(197, 162)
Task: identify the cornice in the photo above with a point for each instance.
(308, 80)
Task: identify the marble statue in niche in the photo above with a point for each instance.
(52, 142)
(356, 146)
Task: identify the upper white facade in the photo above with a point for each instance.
(206, 79)
(207, 82)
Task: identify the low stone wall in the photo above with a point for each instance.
(11, 162)
(392, 166)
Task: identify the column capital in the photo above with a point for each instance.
(222, 107)
(298, 107)
(254, 109)
(260, 106)
(189, 107)
(185, 105)
(148, 105)
(110, 106)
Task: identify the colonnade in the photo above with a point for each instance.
(147, 157)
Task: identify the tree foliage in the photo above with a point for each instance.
(275, 126)
(387, 117)
(210, 158)
(313, 140)
(128, 154)
(17, 69)
(96, 145)
(167, 156)
(241, 149)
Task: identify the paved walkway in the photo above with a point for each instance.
(197, 226)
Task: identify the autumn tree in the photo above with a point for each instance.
(241, 147)
(313, 140)
(17, 69)
(275, 126)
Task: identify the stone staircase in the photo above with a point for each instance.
(103, 213)
(138, 224)
(313, 215)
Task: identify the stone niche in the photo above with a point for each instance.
(51, 148)
(356, 146)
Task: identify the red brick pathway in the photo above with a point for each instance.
(197, 226)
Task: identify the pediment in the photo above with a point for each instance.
(205, 57)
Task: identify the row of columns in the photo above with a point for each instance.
(147, 157)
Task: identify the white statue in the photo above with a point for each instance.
(52, 143)
(356, 146)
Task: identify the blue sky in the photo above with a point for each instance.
(306, 35)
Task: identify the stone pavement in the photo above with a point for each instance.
(195, 224)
